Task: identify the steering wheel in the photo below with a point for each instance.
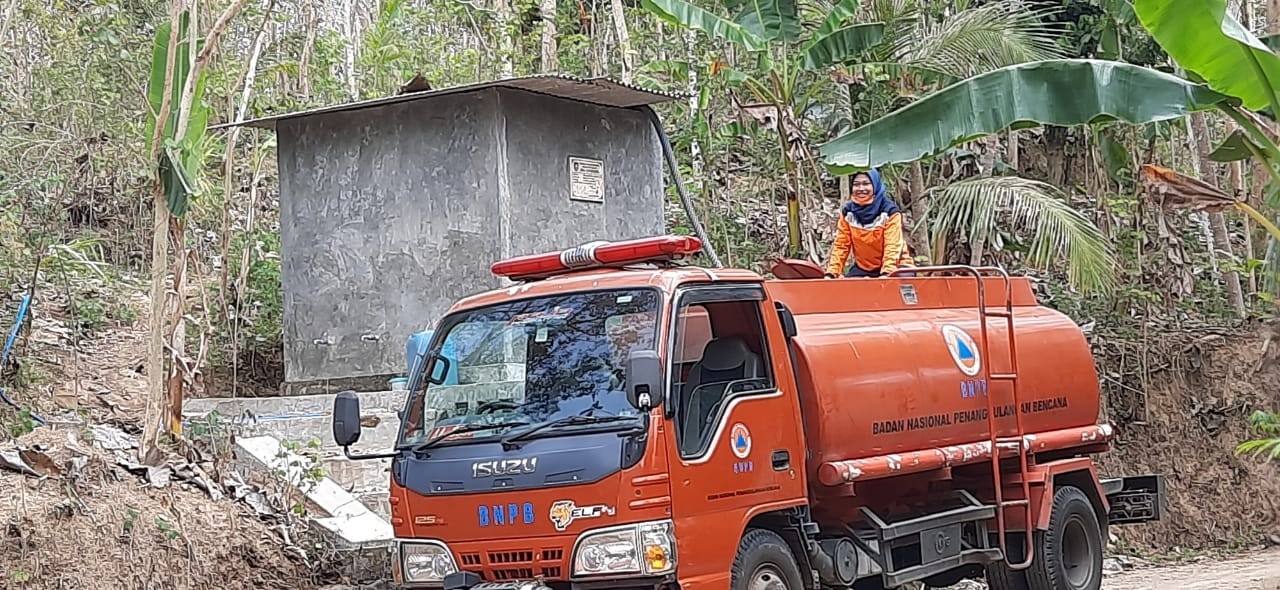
(493, 405)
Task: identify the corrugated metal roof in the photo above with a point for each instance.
(601, 91)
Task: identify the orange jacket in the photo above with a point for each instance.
(872, 233)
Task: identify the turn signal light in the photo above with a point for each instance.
(656, 556)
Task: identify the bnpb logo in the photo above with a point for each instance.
(740, 440)
(964, 351)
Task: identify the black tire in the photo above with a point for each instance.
(1069, 554)
(764, 557)
(1000, 577)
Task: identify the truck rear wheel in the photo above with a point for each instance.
(1000, 577)
(765, 562)
(1069, 554)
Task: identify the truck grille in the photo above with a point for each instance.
(519, 564)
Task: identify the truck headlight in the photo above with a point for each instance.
(647, 547)
(425, 561)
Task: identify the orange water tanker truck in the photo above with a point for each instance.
(617, 418)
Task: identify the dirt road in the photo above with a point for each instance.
(1258, 571)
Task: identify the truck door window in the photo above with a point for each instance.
(718, 354)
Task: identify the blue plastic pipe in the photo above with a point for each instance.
(8, 346)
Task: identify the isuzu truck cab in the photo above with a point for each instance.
(619, 419)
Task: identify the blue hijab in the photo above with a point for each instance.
(880, 202)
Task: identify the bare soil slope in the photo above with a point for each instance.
(90, 523)
(88, 519)
(1199, 391)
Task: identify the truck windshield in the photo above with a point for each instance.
(532, 361)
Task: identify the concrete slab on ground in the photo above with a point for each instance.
(350, 522)
(306, 418)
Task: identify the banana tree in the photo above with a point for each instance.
(786, 87)
(1231, 70)
(176, 126)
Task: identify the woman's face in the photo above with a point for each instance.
(863, 191)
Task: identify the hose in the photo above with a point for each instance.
(675, 178)
(8, 345)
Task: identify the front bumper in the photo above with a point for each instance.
(634, 555)
(470, 581)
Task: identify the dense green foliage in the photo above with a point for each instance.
(769, 83)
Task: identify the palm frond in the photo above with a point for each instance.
(981, 39)
(897, 15)
(1057, 231)
(1267, 424)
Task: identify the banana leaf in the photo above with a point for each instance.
(842, 45)
(768, 19)
(1235, 147)
(840, 12)
(683, 14)
(1203, 38)
(1052, 92)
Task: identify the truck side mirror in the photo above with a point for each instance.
(346, 418)
(644, 380)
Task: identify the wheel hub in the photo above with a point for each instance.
(767, 577)
(1077, 555)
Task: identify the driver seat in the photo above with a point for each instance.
(724, 360)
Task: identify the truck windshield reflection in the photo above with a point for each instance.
(530, 362)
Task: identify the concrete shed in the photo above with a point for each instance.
(393, 208)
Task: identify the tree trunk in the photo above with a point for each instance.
(1273, 17)
(695, 147)
(154, 422)
(920, 214)
(157, 417)
(1217, 221)
(506, 55)
(550, 61)
(624, 39)
(350, 42)
(175, 303)
(304, 63)
(1013, 150)
(1239, 191)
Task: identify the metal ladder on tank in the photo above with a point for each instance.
(995, 440)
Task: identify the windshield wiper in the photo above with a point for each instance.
(420, 447)
(574, 420)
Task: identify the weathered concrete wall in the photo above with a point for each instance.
(537, 150)
(390, 214)
(387, 215)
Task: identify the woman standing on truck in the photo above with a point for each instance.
(870, 227)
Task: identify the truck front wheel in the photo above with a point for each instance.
(1069, 554)
(765, 562)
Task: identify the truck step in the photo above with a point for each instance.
(1003, 376)
(919, 572)
(1011, 441)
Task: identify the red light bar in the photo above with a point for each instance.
(595, 254)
